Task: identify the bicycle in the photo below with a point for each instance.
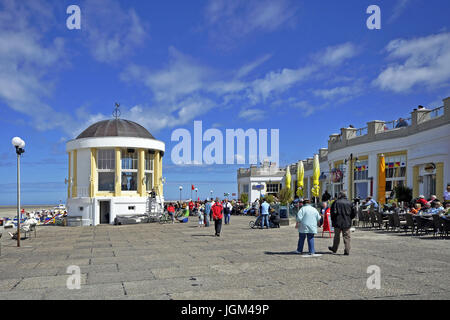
(255, 224)
(165, 218)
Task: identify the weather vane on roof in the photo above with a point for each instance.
(116, 112)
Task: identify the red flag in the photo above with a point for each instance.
(192, 187)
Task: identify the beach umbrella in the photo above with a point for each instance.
(382, 181)
(300, 177)
(316, 174)
(288, 177)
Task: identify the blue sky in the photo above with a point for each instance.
(306, 68)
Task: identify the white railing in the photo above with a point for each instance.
(82, 192)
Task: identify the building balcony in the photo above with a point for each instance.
(420, 120)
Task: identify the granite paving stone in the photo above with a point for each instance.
(183, 261)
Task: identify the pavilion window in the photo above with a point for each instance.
(129, 179)
(361, 179)
(106, 166)
(149, 164)
(395, 172)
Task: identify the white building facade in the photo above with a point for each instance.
(417, 155)
(114, 167)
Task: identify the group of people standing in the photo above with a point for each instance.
(342, 212)
(208, 210)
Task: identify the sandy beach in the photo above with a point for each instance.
(11, 211)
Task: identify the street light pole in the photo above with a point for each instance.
(19, 144)
(181, 188)
(18, 199)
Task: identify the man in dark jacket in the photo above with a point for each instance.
(342, 213)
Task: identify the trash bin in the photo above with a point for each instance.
(283, 212)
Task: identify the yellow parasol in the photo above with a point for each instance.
(300, 177)
(288, 177)
(316, 174)
(382, 181)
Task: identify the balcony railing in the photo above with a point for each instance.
(437, 112)
(82, 192)
(395, 124)
(361, 131)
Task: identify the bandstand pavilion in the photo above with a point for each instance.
(115, 168)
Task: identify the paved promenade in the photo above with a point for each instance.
(182, 261)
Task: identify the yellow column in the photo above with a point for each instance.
(156, 172)
(117, 189)
(440, 180)
(68, 179)
(141, 172)
(74, 181)
(160, 175)
(415, 181)
(93, 179)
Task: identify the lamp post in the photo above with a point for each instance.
(350, 172)
(181, 188)
(211, 193)
(19, 144)
(196, 194)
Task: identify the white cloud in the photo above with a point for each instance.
(112, 32)
(421, 61)
(278, 81)
(399, 8)
(246, 69)
(333, 93)
(236, 19)
(252, 114)
(183, 76)
(336, 55)
(25, 62)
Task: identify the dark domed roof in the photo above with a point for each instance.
(115, 128)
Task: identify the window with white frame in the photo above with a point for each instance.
(272, 187)
(149, 163)
(129, 169)
(361, 179)
(395, 167)
(106, 167)
(245, 188)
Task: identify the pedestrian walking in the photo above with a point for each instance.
(307, 219)
(208, 206)
(342, 213)
(265, 214)
(217, 214)
(227, 211)
(201, 212)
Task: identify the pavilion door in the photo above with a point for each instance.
(104, 212)
(429, 183)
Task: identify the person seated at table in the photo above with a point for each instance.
(370, 201)
(394, 207)
(426, 208)
(417, 208)
(447, 207)
(437, 208)
(185, 216)
(432, 199)
(422, 200)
